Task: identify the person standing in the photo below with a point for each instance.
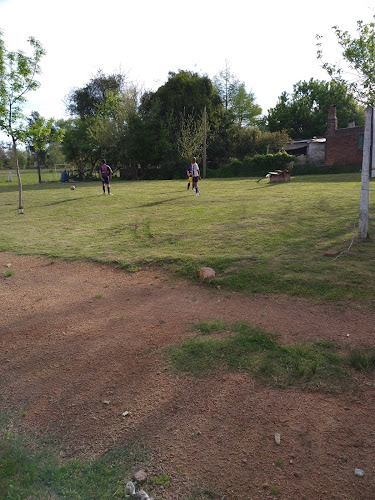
(105, 174)
(196, 174)
(190, 177)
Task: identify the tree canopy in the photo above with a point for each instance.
(359, 54)
(17, 77)
(303, 113)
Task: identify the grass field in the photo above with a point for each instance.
(259, 237)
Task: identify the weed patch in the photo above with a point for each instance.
(28, 472)
(316, 366)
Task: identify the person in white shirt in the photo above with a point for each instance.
(195, 174)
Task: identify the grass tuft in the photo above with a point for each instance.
(316, 366)
(34, 471)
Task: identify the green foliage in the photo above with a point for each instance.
(87, 101)
(313, 169)
(314, 367)
(8, 274)
(31, 469)
(207, 328)
(304, 112)
(17, 77)
(163, 480)
(359, 53)
(362, 360)
(254, 166)
(259, 237)
(240, 106)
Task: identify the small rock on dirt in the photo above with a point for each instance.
(140, 476)
(206, 273)
(359, 472)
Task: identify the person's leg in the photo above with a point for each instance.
(108, 188)
(103, 187)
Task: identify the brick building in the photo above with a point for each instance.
(343, 146)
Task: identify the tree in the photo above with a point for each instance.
(303, 113)
(84, 103)
(17, 78)
(249, 141)
(359, 53)
(78, 147)
(93, 109)
(243, 107)
(109, 128)
(162, 115)
(40, 134)
(240, 106)
(191, 136)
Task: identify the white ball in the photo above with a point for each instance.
(72, 187)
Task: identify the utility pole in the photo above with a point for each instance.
(366, 170)
(204, 143)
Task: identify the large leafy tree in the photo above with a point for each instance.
(78, 147)
(41, 133)
(109, 129)
(17, 77)
(239, 104)
(244, 109)
(163, 115)
(359, 54)
(83, 142)
(303, 113)
(86, 101)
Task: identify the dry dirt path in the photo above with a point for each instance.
(75, 334)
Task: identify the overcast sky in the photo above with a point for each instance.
(269, 45)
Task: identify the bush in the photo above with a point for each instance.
(254, 166)
(314, 169)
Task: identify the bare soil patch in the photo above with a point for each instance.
(75, 334)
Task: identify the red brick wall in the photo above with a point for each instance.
(342, 146)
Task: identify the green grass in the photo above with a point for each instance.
(31, 469)
(259, 238)
(316, 366)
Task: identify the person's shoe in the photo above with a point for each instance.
(197, 194)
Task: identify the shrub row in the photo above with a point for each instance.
(260, 165)
(254, 166)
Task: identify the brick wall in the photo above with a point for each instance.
(342, 146)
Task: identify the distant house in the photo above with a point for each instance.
(312, 150)
(342, 146)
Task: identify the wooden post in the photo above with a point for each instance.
(366, 164)
(204, 143)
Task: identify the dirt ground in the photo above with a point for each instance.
(76, 334)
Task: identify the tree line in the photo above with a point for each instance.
(152, 134)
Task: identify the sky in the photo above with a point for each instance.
(268, 45)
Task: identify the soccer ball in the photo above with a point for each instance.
(72, 187)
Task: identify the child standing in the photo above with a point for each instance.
(196, 174)
(190, 177)
(105, 174)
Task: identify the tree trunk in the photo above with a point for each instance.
(38, 166)
(20, 204)
(365, 177)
